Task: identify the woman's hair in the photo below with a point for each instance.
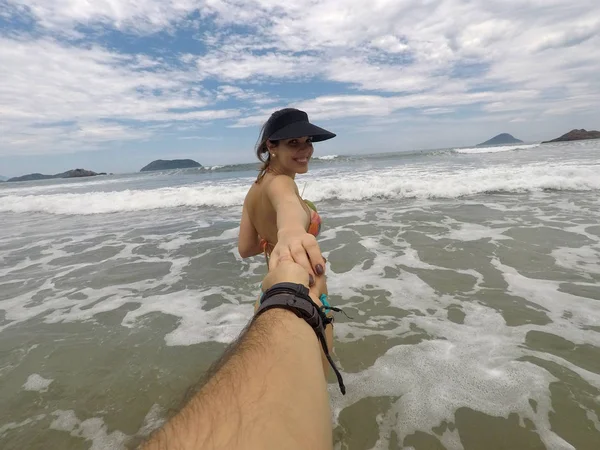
(262, 151)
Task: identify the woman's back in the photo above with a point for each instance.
(262, 212)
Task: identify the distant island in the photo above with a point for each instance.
(501, 139)
(75, 173)
(169, 164)
(576, 135)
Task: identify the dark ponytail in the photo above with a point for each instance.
(263, 154)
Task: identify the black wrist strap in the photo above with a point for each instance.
(295, 298)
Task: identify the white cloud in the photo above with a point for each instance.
(522, 59)
(362, 74)
(231, 67)
(378, 106)
(141, 15)
(203, 115)
(46, 83)
(226, 92)
(390, 44)
(418, 49)
(201, 138)
(67, 138)
(579, 33)
(435, 111)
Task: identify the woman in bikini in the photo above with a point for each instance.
(276, 221)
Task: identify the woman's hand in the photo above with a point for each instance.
(301, 247)
(285, 270)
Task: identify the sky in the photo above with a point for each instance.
(110, 85)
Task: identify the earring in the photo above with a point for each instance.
(273, 155)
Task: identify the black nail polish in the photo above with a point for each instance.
(311, 279)
(320, 270)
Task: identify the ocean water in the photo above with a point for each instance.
(472, 277)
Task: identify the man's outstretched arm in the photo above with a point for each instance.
(268, 392)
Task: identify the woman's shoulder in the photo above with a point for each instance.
(280, 183)
(270, 187)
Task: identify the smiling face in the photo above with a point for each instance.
(292, 155)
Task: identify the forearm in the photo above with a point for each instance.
(278, 359)
(291, 216)
(248, 249)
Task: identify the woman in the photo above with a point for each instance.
(276, 221)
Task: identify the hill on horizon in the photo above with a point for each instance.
(74, 173)
(501, 139)
(576, 135)
(169, 164)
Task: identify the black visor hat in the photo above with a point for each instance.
(294, 124)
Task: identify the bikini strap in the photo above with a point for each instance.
(264, 245)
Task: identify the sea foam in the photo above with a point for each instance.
(395, 183)
(497, 149)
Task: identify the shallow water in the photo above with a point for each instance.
(472, 280)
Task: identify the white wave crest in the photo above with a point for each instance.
(503, 148)
(326, 157)
(426, 183)
(128, 200)
(21, 188)
(398, 183)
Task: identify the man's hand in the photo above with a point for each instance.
(285, 270)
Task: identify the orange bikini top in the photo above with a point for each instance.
(314, 228)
